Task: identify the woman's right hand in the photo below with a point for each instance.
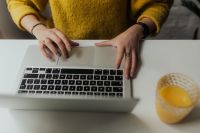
(53, 42)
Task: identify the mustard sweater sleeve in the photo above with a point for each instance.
(156, 10)
(20, 8)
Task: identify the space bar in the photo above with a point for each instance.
(77, 71)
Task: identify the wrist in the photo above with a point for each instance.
(137, 30)
(37, 28)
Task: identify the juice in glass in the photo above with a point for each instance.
(176, 96)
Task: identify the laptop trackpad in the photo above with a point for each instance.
(97, 57)
(80, 56)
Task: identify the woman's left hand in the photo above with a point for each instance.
(126, 44)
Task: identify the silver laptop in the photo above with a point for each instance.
(87, 81)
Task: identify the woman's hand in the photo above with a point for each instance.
(53, 42)
(126, 44)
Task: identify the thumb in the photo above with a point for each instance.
(105, 43)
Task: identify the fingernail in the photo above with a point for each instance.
(58, 54)
(117, 66)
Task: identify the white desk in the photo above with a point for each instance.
(158, 58)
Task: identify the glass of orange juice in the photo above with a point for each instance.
(176, 96)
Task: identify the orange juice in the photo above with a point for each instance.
(177, 101)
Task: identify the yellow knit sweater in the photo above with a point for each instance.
(92, 19)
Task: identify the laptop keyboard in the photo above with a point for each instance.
(72, 81)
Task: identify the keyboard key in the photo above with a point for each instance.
(55, 76)
(86, 88)
(79, 88)
(74, 93)
(64, 82)
(62, 77)
(36, 81)
(58, 87)
(35, 71)
(48, 70)
(38, 92)
(105, 72)
(96, 77)
(116, 83)
(69, 77)
(112, 72)
(23, 82)
(99, 83)
(103, 77)
(78, 82)
(50, 81)
(98, 71)
(90, 93)
(42, 69)
(45, 92)
(93, 88)
(53, 92)
(22, 91)
(118, 78)
(44, 81)
(57, 82)
(92, 82)
(85, 82)
(56, 70)
(106, 83)
(49, 76)
(36, 87)
(110, 77)
(71, 82)
(76, 77)
(29, 87)
(68, 93)
(60, 92)
(51, 87)
(119, 72)
(112, 94)
(101, 89)
(29, 81)
(90, 77)
(117, 89)
(119, 94)
(72, 88)
(41, 76)
(31, 92)
(28, 68)
(82, 93)
(83, 77)
(97, 94)
(65, 88)
(108, 89)
(77, 71)
(22, 87)
(43, 87)
(30, 75)
(104, 94)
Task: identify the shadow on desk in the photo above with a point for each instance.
(77, 122)
(193, 116)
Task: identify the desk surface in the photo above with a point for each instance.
(158, 57)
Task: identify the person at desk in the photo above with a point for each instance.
(93, 19)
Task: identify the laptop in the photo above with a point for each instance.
(87, 81)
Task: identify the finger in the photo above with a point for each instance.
(65, 40)
(45, 53)
(105, 43)
(133, 63)
(74, 43)
(128, 58)
(119, 56)
(49, 44)
(59, 42)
